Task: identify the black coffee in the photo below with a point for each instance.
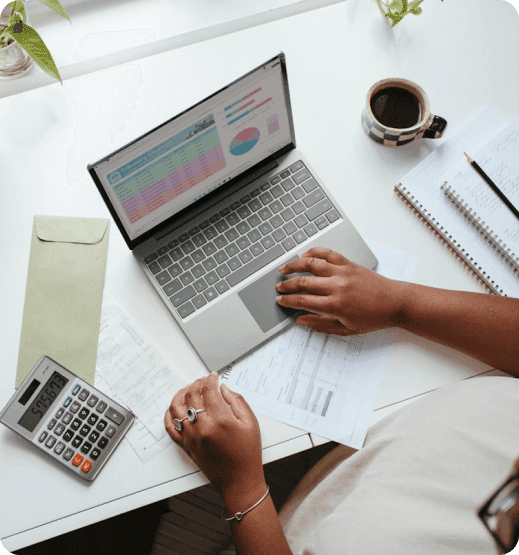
(396, 107)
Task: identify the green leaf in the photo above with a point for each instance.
(57, 7)
(14, 18)
(19, 6)
(396, 19)
(33, 44)
(417, 11)
(396, 6)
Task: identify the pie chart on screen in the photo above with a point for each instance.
(244, 141)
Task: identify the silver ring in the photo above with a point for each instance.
(192, 414)
(178, 423)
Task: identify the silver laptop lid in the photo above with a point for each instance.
(202, 153)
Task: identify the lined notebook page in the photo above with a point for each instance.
(423, 185)
(500, 161)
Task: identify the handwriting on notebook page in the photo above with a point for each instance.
(499, 158)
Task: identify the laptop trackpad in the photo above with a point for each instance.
(260, 299)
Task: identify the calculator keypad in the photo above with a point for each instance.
(83, 413)
(68, 435)
(83, 394)
(67, 418)
(82, 428)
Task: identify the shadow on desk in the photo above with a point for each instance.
(188, 524)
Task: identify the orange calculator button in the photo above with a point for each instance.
(76, 461)
(87, 465)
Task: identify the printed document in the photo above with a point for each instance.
(320, 383)
(134, 373)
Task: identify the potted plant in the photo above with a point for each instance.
(20, 44)
(396, 10)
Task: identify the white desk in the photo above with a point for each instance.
(333, 57)
(105, 33)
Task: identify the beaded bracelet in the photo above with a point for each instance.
(238, 516)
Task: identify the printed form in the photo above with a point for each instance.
(320, 383)
(134, 373)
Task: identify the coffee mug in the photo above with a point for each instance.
(397, 112)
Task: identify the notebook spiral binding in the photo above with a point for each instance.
(443, 234)
(481, 226)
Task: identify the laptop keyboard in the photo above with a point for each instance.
(239, 240)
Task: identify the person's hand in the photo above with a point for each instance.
(343, 297)
(225, 444)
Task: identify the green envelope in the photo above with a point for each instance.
(64, 294)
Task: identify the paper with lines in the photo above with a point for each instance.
(499, 158)
(138, 436)
(422, 187)
(128, 361)
(320, 383)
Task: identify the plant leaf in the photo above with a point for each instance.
(33, 44)
(14, 18)
(19, 6)
(414, 7)
(396, 19)
(57, 7)
(396, 6)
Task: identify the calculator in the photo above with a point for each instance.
(67, 418)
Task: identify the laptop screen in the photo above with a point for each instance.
(176, 164)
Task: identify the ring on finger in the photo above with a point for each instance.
(178, 423)
(192, 414)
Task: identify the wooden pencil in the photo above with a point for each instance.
(492, 185)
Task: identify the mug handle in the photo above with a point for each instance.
(436, 128)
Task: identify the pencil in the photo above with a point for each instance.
(492, 185)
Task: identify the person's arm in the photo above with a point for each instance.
(259, 532)
(226, 446)
(346, 298)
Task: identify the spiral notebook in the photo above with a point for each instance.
(450, 198)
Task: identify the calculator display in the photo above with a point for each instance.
(43, 402)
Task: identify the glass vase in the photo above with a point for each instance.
(14, 60)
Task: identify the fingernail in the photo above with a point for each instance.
(282, 268)
(279, 298)
(214, 373)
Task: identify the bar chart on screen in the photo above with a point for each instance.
(272, 124)
(246, 103)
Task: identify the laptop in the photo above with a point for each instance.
(213, 201)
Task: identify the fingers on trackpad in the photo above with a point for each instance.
(260, 299)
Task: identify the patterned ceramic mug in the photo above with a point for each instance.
(397, 112)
